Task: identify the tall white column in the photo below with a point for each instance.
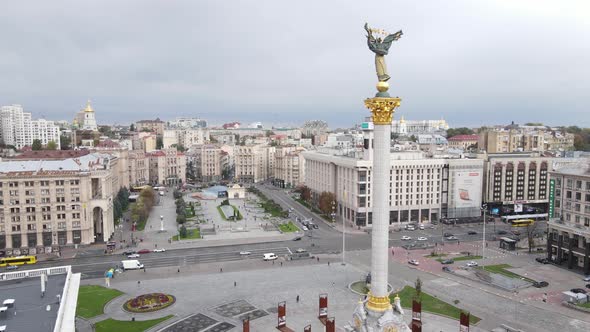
(380, 200)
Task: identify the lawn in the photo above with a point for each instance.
(92, 299)
(190, 234)
(236, 212)
(431, 304)
(110, 324)
(501, 269)
(288, 228)
(461, 258)
(584, 305)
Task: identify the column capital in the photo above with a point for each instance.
(382, 109)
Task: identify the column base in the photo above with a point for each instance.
(368, 320)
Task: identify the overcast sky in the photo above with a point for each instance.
(284, 62)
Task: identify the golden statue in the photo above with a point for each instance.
(381, 47)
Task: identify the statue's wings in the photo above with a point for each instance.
(386, 43)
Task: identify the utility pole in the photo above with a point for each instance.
(484, 207)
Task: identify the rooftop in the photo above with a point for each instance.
(581, 169)
(464, 138)
(51, 154)
(84, 163)
(30, 313)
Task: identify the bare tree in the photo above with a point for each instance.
(530, 234)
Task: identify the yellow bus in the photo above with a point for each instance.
(19, 260)
(522, 222)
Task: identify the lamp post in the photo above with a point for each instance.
(484, 207)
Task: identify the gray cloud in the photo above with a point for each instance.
(284, 62)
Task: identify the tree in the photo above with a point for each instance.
(530, 234)
(117, 210)
(325, 203)
(183, 231)
(65, 142)
(181, 219)
(459, 131)
(132, 127)
(418, 287)
(533, 124)
(159, 143)
(51, 145)
(37, 145)
(304, 193)
(413, 138)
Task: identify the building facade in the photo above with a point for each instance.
(289, 167)
(139, 168)
(403, 127)
(167, 167)
(156, 126)
(463, 142)
(254, 162)
(206, 161)
(568, 240)
(51, 203)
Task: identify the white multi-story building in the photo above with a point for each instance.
(404, 127)
(139, 168)
(206, 162)
(185, 137)
(18, 128)
(167, 167)
(253, 163)
(289, 166)
(183, 122)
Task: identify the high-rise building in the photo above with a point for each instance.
(18, 128)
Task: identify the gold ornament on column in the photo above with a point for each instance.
(382, 109)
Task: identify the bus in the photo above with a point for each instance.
(19, 260)
(521, 222)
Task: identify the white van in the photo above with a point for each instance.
(270, 257)
(131, 264)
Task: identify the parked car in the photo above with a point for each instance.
(501, 232)
(159, 250)
(578, 290)
(586, 278)
(447, 234)
(244, 253)
(305, 228)
(472, 232)
(144, 251)
(422, 238)
(421, 227)
(540, 284)
(413, 262)
(12, 267)
(406, 238)
(133, 256)
(128, 252)
(452, 238)
(472, 264)
(447, 261)
(542, 260)
(297, 238)
(410, 228)
(587, 285)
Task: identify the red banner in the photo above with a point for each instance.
(464, 321)
(416, 316)
(282, 314)
(323, 312)
(330, 325)
(246, 325)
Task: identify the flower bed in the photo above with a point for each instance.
(149, 302)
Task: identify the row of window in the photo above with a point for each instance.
(45, 183)
(45, 227)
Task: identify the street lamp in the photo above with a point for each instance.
(484, 207)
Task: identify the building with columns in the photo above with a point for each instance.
(568, 241)
(167, 167)
(46, 204)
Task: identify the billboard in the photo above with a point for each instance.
(466, 188)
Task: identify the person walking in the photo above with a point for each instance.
(297, 299)
(220, 270)
(235, 284)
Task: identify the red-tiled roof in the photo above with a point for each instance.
(156, 154)
(464, 138)
(51, 154)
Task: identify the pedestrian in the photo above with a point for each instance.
(178, 270)
(318, 259)
(138, 283)
(235, 284)
(144, 269)
(297, 299)
(328, 263)
(220, 270)
(273, 262)
(281, 263)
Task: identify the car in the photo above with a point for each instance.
(587, 285)
(413, 262)
(501, 232)
(406, 238)
(159, 250)
(447, 234)
(244, 253)
(422, 238)
(410, 228)
(472, 264)
(144, 251)
(586, 278)
(451, 238)
(270, 257)
(540, 284)
(447, 261)
(161, 193)
(542, 260)
(128, 252)
(578, 290)
(315, 226)
(12, 267)
(297, 238)
(133, 256)
(446, 269)
(472, 232)
(421, 227)
(300, 250)
(305, 228)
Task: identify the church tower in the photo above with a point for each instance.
(89, 118)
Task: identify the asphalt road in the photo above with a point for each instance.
(324, 240)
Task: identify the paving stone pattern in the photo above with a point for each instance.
(221, 327)
(254, 314)
(234, 308)
(196, 323)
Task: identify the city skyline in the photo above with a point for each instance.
(471, 65)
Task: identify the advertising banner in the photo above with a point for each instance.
(282, 315)
(331, 325)
(464, 322)
(467, 188)
(323, 312)
(246, 325)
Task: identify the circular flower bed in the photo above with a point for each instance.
(149, 302)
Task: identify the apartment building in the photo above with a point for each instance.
(185, 137)
(253, 162)
(45, 204)
(524, 139)
(167, 167)
(156, 126)
(206, 161)
(139, 168)
(289, 166)
(463, 142)
(403, 127)
(17, 128)
(568, 240)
